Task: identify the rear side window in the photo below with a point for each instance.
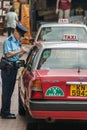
(31, 56)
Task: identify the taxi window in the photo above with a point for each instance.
(31, 57)
(63, 59)
(57, 33)
(44, 31)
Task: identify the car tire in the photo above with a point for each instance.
(21, 109)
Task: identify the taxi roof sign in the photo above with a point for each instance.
(63, 21)
(70, 37)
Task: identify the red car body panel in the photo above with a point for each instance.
(57, 78)
(60, 115)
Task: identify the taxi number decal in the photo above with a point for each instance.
(54, 91)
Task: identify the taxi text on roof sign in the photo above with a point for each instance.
(63, 21)
(72, 37)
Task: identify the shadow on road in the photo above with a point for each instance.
(59, 125)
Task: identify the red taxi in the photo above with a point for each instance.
(53, 84)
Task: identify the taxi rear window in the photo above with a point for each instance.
(57, 33)
(63, 59)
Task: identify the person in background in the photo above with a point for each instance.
(12, 50)
(63, 8)
(11, 20)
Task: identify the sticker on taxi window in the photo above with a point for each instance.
(46, 54)
(54, 91)
(71, 37)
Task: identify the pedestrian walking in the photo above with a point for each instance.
(12, 50)
(63, 8)
(11, 20)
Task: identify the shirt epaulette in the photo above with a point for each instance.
(10, 38)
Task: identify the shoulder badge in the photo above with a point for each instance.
(10, 38)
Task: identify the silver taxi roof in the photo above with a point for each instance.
(66, 24)
(62, 45)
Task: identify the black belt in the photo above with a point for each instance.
(13, 63)
(18, 63)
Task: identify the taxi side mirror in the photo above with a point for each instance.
(29, 67)
(20, 63)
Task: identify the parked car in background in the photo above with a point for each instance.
(53, 83)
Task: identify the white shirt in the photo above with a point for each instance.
(11, 18)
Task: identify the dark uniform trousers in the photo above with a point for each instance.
(8, 84)
(10, 31)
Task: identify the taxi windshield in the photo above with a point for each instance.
(57, 33)
(63, 59)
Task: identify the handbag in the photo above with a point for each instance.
(4, 63)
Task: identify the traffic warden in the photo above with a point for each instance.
(12, 49)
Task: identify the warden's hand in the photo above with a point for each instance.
(23, 50)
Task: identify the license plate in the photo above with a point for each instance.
(78, 90)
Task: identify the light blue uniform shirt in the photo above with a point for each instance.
(10, 45)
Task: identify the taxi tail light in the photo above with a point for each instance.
(37, 92)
